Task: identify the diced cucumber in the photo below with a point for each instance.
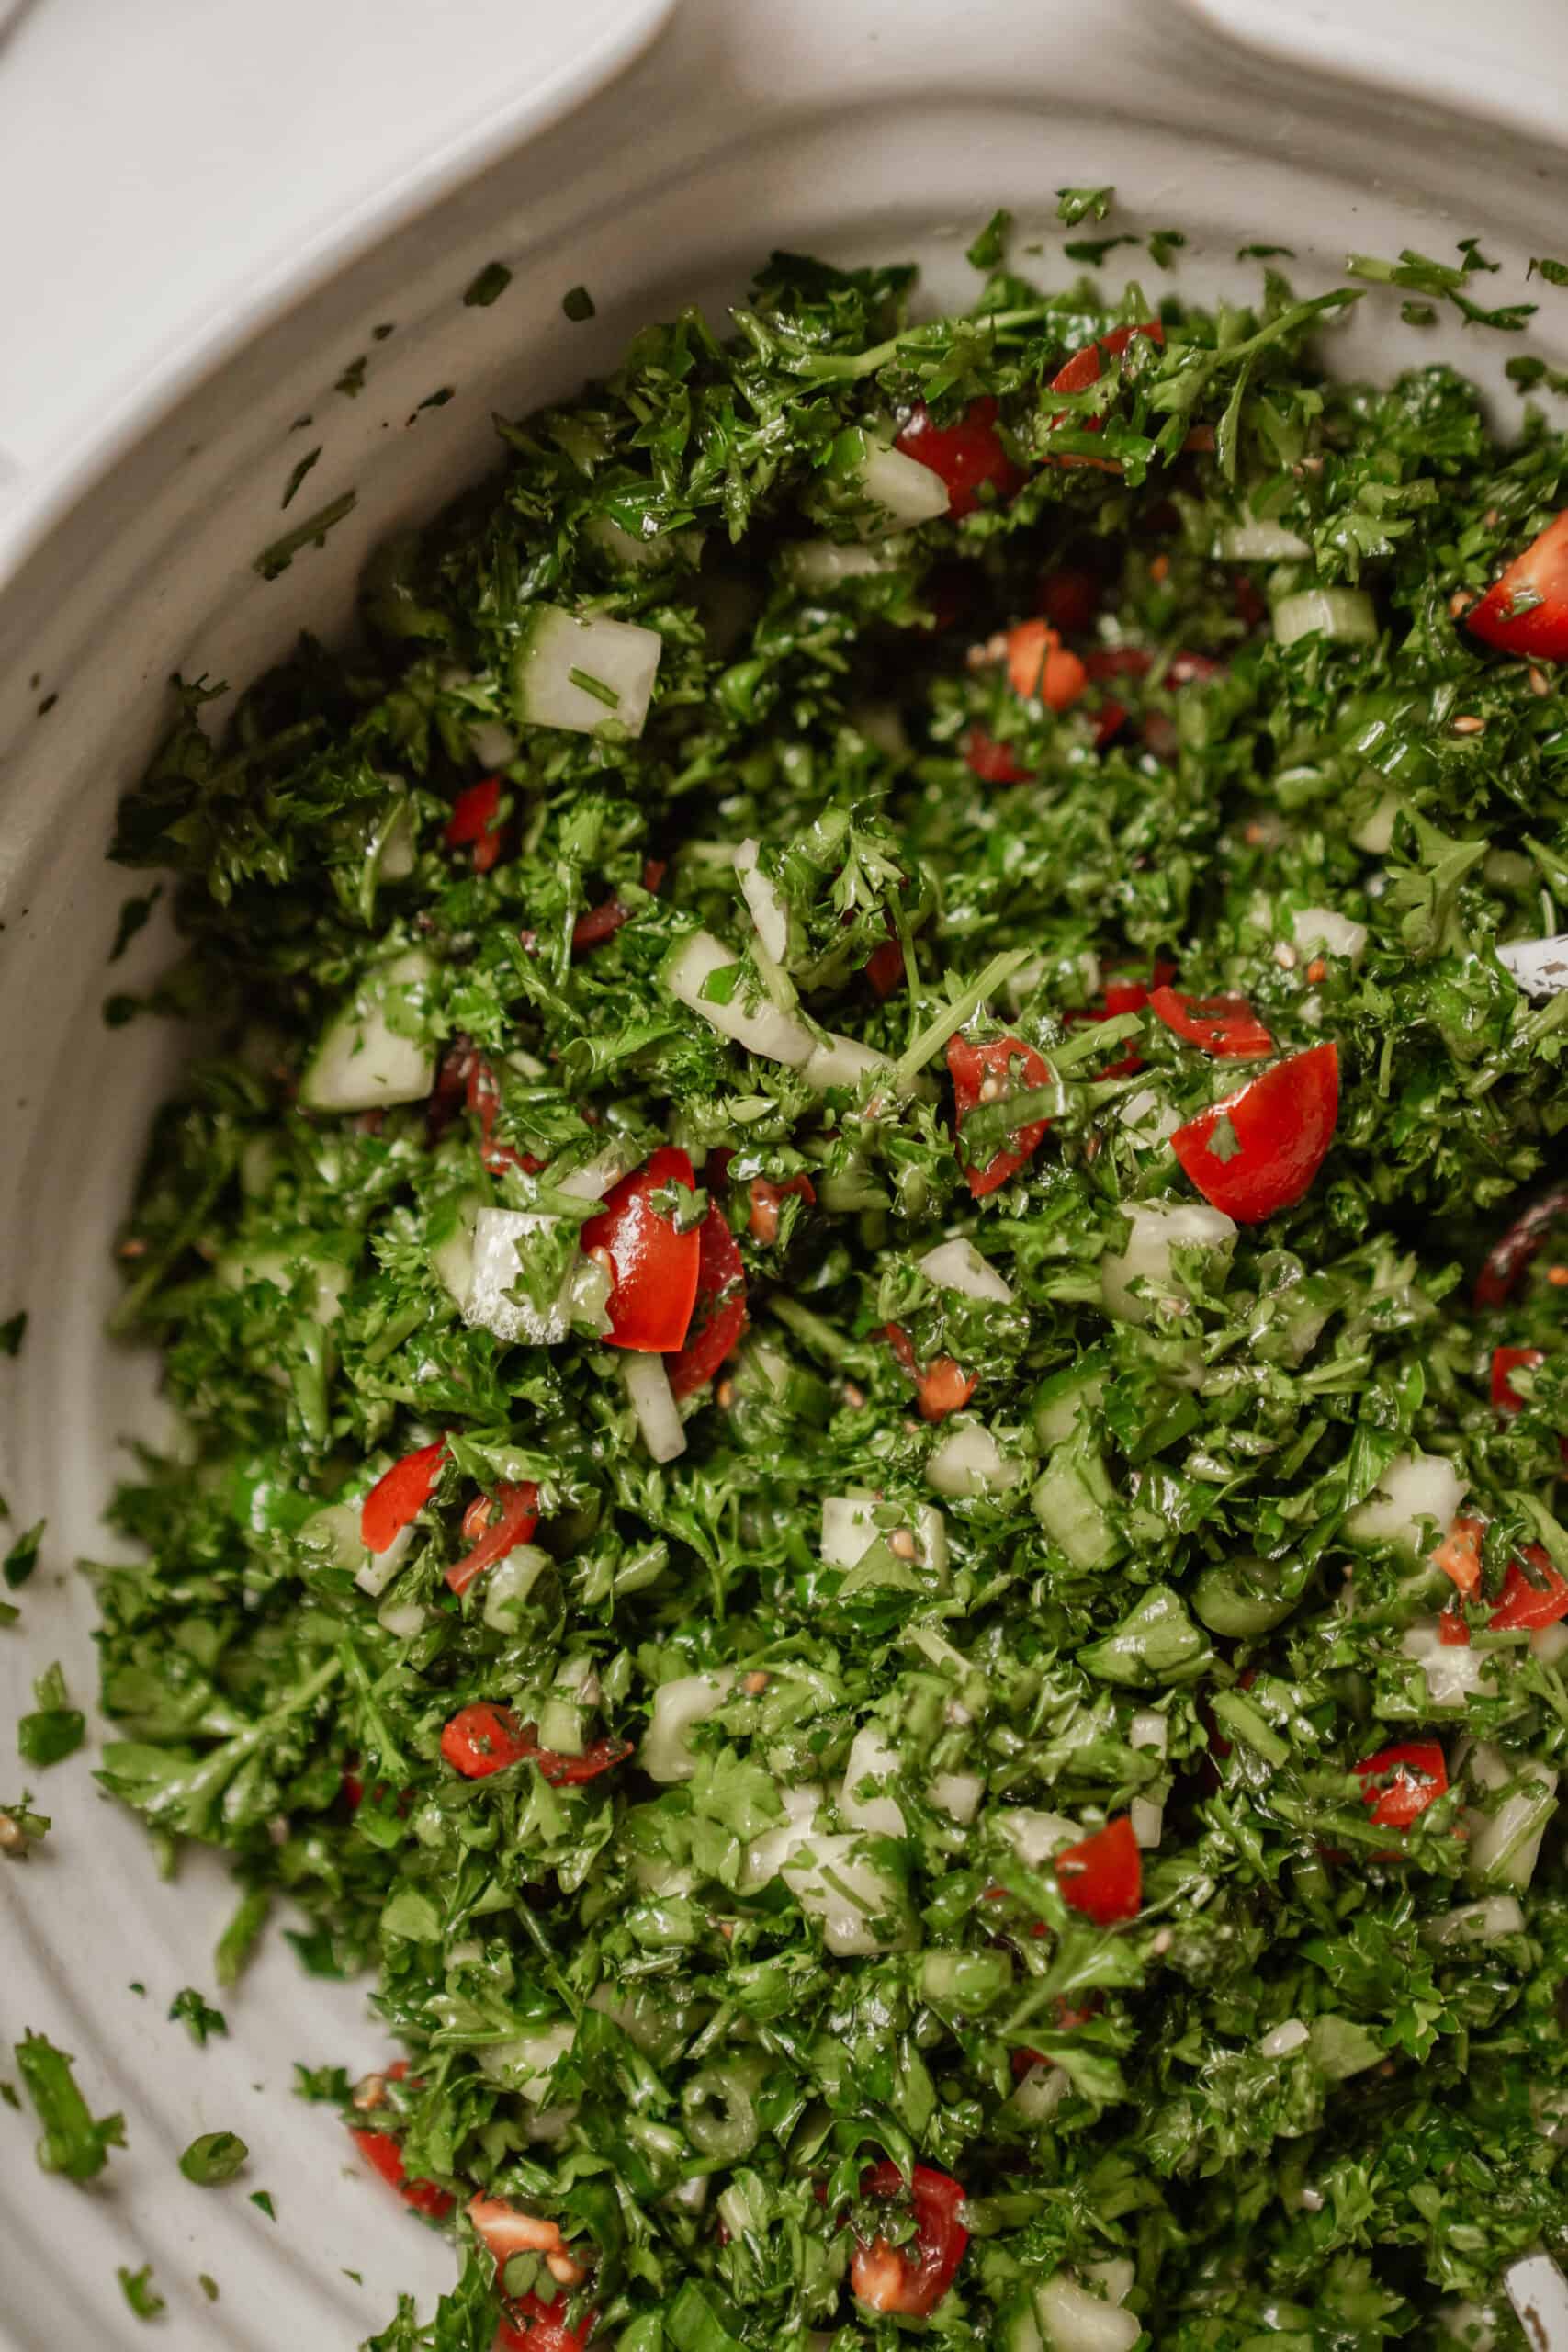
(904, 492)
(957, 1265)
(1074, 1501)
(585, 675)
(1158, 1228)
(1157, 1642)
(864, 1799)
(1242, 1599)
(861, 1904)
(1347, 615)
(1063, 1398)
(282, 1263)
(760, 1027)
(678, 1707)
(967, 1461)
(654, 553)
(372, 1054)
(818, 565)
(496, 1300)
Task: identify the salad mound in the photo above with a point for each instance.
(872, 1434)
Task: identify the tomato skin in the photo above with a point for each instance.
(884, 968)
(1283, 1123)
(399, 1495)
(1506, 1259)
(654, 1270)
(1459, 1554)
(1527, 1604)
(1103, 1876)
(1541, 633)
(1040, 667)
(1415, 1777)
(531, 2325)
(599, 923)
(473, 821)
(766, 1199)
(718, 1315)
(1084, 368)
(967, 455)
(1505, 1362)
(1012, 1063)
(911, 2279)
(484, 1738)
(1069, 600)
(941, 1386)
(1226, 1026)
(482, 1096)
(519, 1516)
(382, 2153)
(993, 762)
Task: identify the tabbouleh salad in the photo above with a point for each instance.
(862, 1497)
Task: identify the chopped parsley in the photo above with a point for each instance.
(13, 1332)
(139, 2292)
(277, 558)
(188, 2008)
(22, 1558)
(488, 286)
(72, 2142)
(55, 1729)
(310, 458)
(214, 2159)
(576, 304)
(966, 1667)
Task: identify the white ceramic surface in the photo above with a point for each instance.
(851, 126)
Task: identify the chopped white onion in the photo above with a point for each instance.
(509, 1583)
(1476, 2325)
(1415, 1489)
(957, 1794)
(1149, 1728)
(493, 745)
(494, 1303)
(1505, 1844)
(1318, 928)
(850, 1529)
(766, 1855)
(1073, 2320)
(653, 1402)
(644, 554)
(452, 1260)
(1148, 1817)
(236, 1269)
(1115, 2280)
(678, 1706)
(907, 492)
(396, 862)
(1040, 2092)
(402, 1619)
(551, 2123)
(1158, 1227)
(658, 1876)
(1034, 1837)
(1455, 1672)
(376, 1569)
(966, 1461)
(1281, 2039)
(882, 724)
(620, 658)
(1261, 543)
(762, 1028)
(761, 895)
(1147, 1116)
(524, 2062)
(840, 1061)
(818, 564)
(872, 1758)
(1346, 613)
(1055, 1421)
(1548, 1643)
(595, 1177)
(364, 1062)
(1477, 1923)
(833, 1880)
(1540, 965)
(958, 1265)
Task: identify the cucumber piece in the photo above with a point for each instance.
(371, 1055)
(1073, 1502)
(1242, 1599)
(618, 661)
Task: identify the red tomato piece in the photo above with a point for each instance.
(1459, 1553)
(1526, 611)
(1226, 1026)
(1278, 1130)
(483, 1738)
(1070, 599)
(992, 761)
(517, 1509)
(1006, 1066)
(884, 968)
(1103, 1876)
(1083, 370)
(1453, 1633)
(599, 922)
(483, 1097)
(1399, 1784)
(718, 1315)
(533, 2325)
(654, 869)
(571, 1772)
(1528, 1602)
(1041, 669)
(1507, 1258)
(398, 1495)
(473, 820)
(911, 2279)
(765, 1202)
(941, 1386)
(653, 1269)
(382, 2153)
(967, 455)
(1505, 1363)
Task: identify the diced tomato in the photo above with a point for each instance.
(1507, 1258)
(1083, 370)
(484, 1738)
(1070, 599)
(1103, 1876)
(1528, 1602)
(1041, 669)
(1459, 1553)
(506, 2230)
(968, 456)
(654, 869)
(516, 1515)
(473, 820)
(765, 1203)
(1008, 1066)
(718, 1315)
(483, 1096)
(530, 2325)
(1399, 1784)
(911, 2279)
(1251, 605)
(1226, 1026)
(599, 922)
(992, 761)
(1526, 611)
(1453, 1632)
(941, 1386)
(399, 1495)
(884, 968)
(653, 1269)
(382, 2153)
(1200, 443)
(1276, 1132)
(1505, 1362)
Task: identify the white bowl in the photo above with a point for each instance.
(859, 130)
